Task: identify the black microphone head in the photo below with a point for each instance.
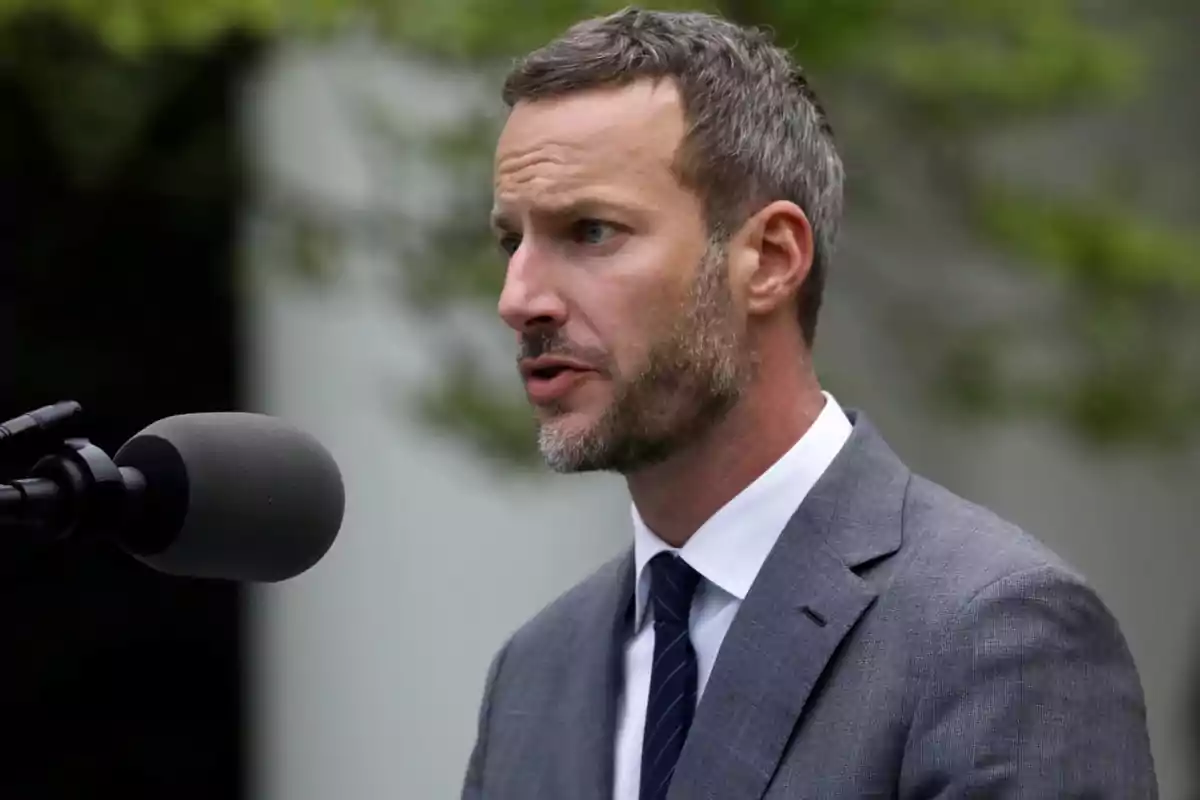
(232, 495)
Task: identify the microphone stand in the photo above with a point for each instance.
(76, 491)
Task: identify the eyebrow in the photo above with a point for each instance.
(502, 222)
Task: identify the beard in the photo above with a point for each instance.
(689, 381)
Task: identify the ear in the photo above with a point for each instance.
(775, 256)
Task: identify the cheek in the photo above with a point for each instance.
(601, 323)
(634, 324)
(630, 301)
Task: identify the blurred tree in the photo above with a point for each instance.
(934, 82)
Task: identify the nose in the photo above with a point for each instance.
(530, 299)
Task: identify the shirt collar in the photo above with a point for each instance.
(729, 549)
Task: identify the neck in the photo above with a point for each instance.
(677, 496)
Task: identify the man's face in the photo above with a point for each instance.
(630, 341)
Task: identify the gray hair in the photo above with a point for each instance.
(756, 131)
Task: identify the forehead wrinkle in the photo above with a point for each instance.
(538, 171)
(559, 167)
(555, 154)
(551, 186)
(616, 147)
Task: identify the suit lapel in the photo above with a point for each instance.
(587, 754)
(803, 603)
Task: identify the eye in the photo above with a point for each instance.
(509, 243)
(592, 231)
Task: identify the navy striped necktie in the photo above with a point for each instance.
(672, 699)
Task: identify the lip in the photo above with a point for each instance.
(548, 389)
(529, 366)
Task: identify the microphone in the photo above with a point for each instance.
(226, 495)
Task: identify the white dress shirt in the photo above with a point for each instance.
(728, 551)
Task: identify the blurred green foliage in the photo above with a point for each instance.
(141, 27)
(944, 77)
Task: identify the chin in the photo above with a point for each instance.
(566, 441)
(567, 423)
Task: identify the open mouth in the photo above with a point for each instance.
(553, 381)
(549, 373)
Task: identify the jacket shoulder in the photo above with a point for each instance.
(562, 615)
(955, 548)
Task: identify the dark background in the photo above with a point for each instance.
(116, 291)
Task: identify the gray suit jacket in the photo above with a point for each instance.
(899, 642)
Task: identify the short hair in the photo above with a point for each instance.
(756, 132)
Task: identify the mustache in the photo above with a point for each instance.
(552, 343)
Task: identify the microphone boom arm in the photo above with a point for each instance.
(77, 491)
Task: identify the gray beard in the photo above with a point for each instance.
(690, 381)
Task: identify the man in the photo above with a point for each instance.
(799, 615)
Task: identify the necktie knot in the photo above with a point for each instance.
(673, 584)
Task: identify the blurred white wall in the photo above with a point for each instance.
(368, 669)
